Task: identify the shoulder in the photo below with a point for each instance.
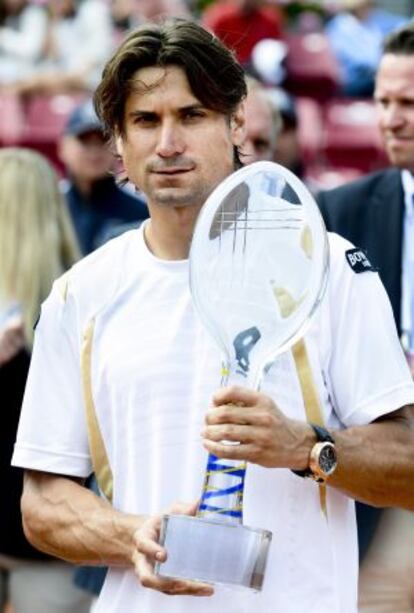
(95, 280)
(360, 186)
(348, 264)
(346, 259)
(338, 249)
(358, 194)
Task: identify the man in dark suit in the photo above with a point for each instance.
(376, 213)
(370, 212)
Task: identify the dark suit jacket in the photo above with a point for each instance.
(370, 213)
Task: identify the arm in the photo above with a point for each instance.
(66, 520)
(60, 516)
(375, 461)
(11, 339)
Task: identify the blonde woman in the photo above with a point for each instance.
(37, 244)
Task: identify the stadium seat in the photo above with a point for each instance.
(323, 178)
(45, 117)
(351, 138)
(312, 70)
(310, 129)
(11, 119)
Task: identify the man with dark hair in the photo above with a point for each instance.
(376, 213)
(122, 366)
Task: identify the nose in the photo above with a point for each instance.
(170, 140)
(256, 149)
(392, 116)
(248, 150)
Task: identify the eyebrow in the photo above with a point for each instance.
(180, 111)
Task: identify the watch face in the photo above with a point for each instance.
(327, 459)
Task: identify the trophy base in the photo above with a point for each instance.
(213, 551)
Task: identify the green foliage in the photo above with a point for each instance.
(293, 9)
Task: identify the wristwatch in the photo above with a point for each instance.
(323, 458)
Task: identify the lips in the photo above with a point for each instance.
(171, 171)
(399, 137)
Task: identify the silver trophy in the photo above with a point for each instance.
(258, 270)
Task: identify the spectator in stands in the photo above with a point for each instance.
(377, 214)
(287, 150)
(98, 206)
(79, 40)
(240, 24)
(154, 10)
(263, 123)
(356, 34)
(127, 14)
(23, 28)
(37, 244)
(122, 16)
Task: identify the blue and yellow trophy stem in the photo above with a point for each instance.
(222, 494)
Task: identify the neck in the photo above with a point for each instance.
(84, 186)
(170, 231)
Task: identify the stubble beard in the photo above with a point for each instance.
(180, 197)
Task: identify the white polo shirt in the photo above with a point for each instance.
(154, 369)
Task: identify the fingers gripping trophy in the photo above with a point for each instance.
(258, 270)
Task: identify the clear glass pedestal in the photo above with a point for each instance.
(213, 551)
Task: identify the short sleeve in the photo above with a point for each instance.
(52, 434)
(368, 373)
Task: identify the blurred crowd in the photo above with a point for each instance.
(317, 61)
(311, 68)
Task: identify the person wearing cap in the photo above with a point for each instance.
(99, 208)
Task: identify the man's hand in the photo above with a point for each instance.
(264, 434)
(11, 339)
(148, 552)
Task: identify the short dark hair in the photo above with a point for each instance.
(214, 75)
(400, 41)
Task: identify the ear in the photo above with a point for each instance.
(64, 147)
(119, 145)
(60, 149)
(238, 126)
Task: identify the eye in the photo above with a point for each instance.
(145, 119)
(192, 114)
(260, 144)
(382, 102)
(408, 103)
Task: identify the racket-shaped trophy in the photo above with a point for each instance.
(258, 269)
